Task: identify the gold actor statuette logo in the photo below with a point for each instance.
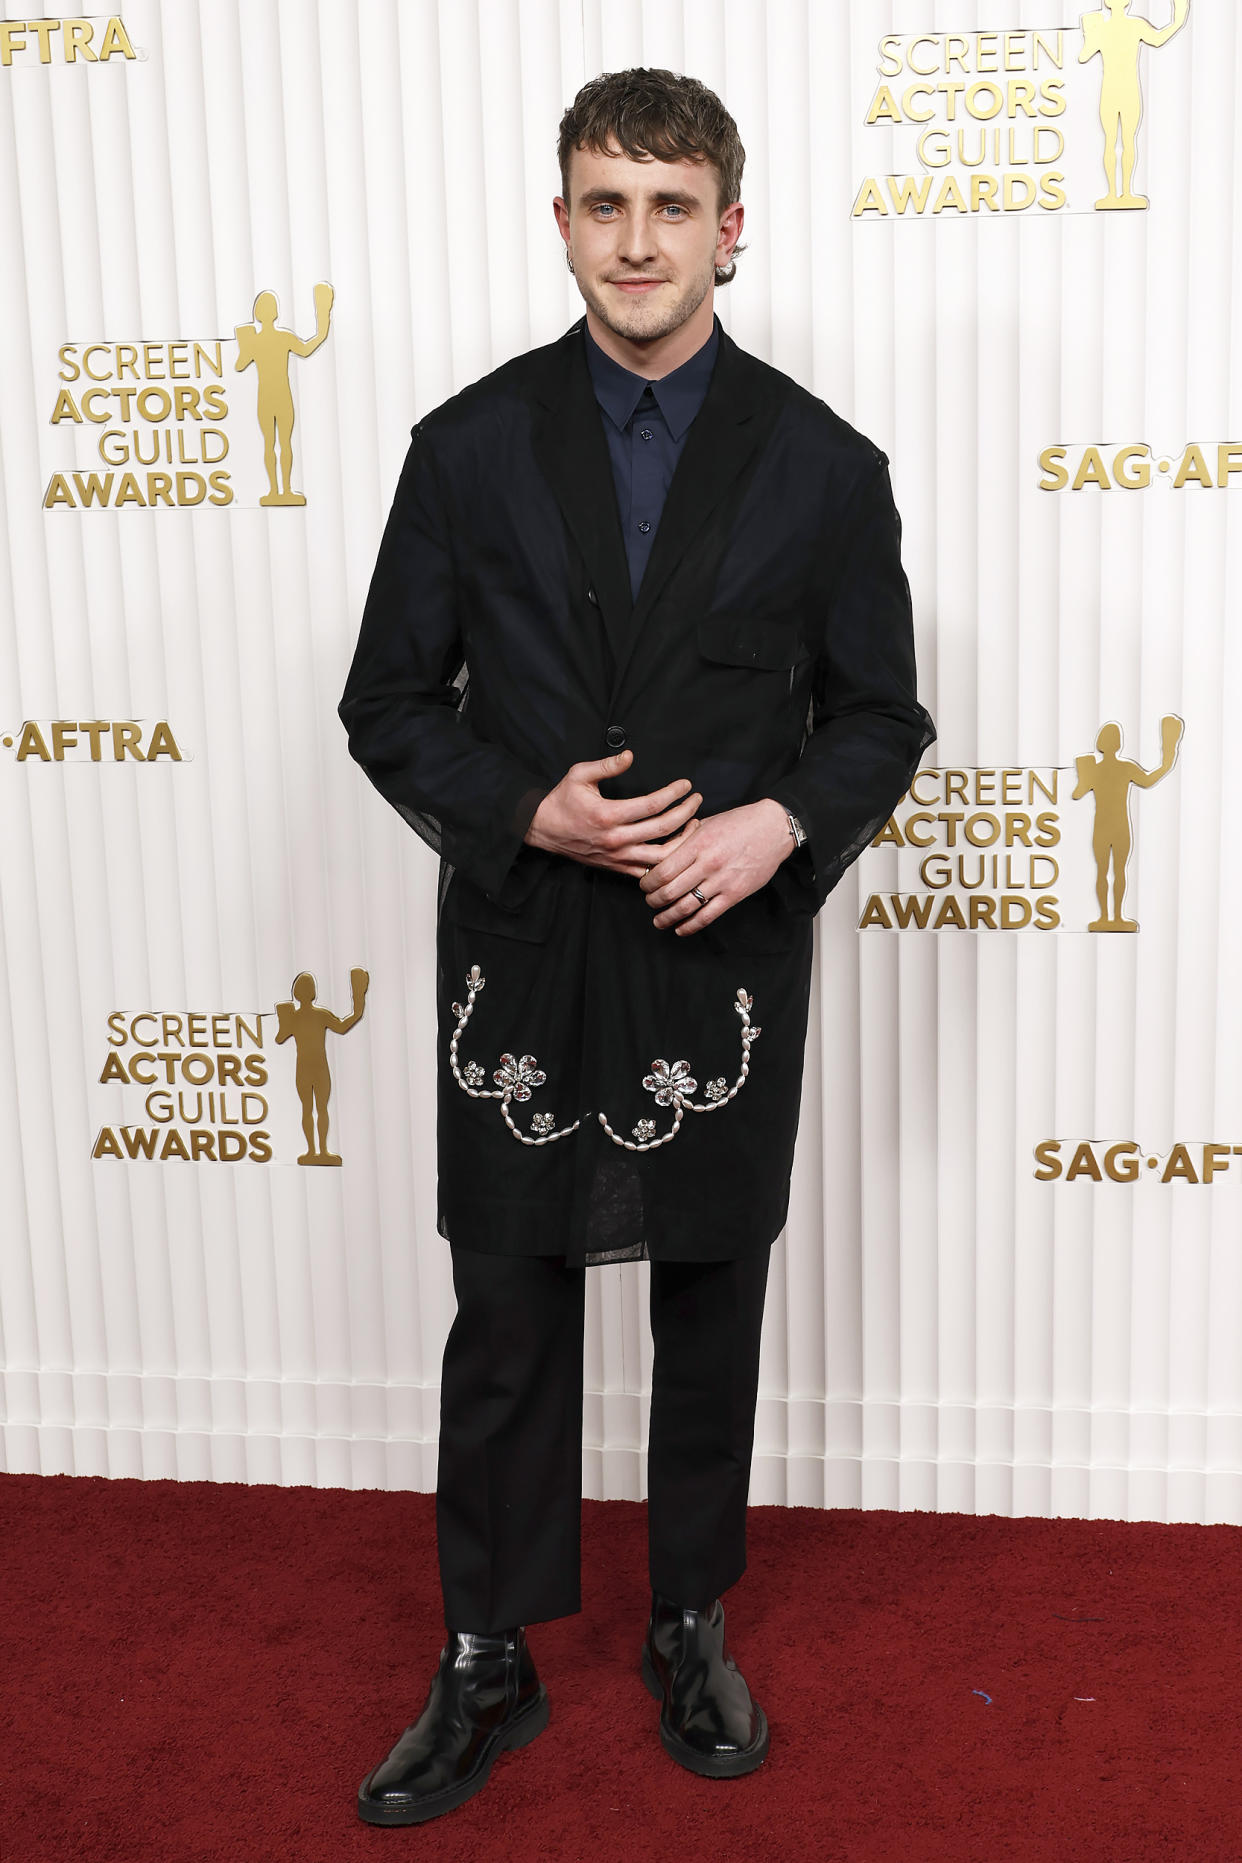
(270, 348)
(1110, 778)
(1118, 38)
(307, 1024)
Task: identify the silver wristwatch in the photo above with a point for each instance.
(796, 829)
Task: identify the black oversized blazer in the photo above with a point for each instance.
(603, 1089)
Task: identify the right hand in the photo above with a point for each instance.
(625, 837)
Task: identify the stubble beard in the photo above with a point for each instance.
(640, 321)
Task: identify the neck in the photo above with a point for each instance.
(662, 354)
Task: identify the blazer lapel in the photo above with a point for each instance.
(572, 452)
(723, 436)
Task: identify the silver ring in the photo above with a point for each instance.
(698, 895)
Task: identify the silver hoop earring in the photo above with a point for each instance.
(569, 260)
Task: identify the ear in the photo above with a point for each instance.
(730, 231)
(561, 211)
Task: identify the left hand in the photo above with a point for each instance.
(728, 857)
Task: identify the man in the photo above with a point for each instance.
(673, 579)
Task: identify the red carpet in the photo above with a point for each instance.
(193, 1672)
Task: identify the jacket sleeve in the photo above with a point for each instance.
(867, 728)
(405, 700)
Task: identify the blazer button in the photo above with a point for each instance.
(614, 737)
(592, 597)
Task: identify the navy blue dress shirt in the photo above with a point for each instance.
(646, 424)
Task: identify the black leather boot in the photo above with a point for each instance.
(708, 1723)
(484, 1697)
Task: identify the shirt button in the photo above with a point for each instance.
(645, 434)
(645, 526)
(593, 598)
(614, 737)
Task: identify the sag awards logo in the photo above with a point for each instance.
(203, 1079)
(987, 850)
(163, 407)
(73, 38)
(1213, 465)
(92, 740)
(997, 122)
(1095, 1161)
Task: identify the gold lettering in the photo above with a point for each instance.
(1122, 1173)
(1047, 1158)
(31, 743)
(128, 493)
(163, 744)
(923, 71)
(1056, 477)
(912, 908)
(905, 191)
(1215, 1161)
(1141, 476)
(65, 408)
(115, 40)
(884, 107)
(1194, 466)
(1228, 461)
(1179, 1166)
(950, 195)
(1092, 471)
(874, 914)
(78, 35)
(126, 742)
(1083, 1164)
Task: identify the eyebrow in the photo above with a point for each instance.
(666, 197)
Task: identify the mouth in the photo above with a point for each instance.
(636, 285)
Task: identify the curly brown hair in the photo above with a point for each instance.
(652, 114)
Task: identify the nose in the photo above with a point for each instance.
(637, 243)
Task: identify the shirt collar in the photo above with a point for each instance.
(679, 395)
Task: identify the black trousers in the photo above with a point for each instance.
(509, 1487)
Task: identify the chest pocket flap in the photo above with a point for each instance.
(768, 643)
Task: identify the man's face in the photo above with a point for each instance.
(645, 239)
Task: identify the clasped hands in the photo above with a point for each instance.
(691, 870)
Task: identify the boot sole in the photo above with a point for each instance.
(725, 1766)
(519, 1732)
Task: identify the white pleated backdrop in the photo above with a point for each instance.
(943, 1331)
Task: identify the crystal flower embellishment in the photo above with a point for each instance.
(670, 1083)
(519, 1076)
